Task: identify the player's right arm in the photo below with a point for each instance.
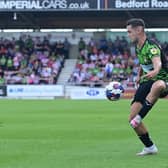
(156, 68)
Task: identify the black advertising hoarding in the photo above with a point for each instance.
(134, 4)
(81, 5)
(47, 5)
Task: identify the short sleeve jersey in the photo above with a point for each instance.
(145, 56)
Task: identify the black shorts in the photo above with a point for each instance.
(143, 91)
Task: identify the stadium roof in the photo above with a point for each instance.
(81, 19)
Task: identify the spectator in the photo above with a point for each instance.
(2, 79)
(67, 46)
(3, 62)
(108, 70)
(81, 44)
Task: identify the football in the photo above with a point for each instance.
(114, 90)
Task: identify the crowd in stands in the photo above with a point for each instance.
(104, 60)
(37, 60)
(31, 60)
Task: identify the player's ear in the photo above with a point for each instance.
(139, 29)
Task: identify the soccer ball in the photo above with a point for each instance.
(114, 90)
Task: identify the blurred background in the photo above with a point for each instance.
(72, 48)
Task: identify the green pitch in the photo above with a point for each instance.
(77, 134)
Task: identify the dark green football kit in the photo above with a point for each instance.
(145, 55)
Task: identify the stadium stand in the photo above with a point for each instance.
(30, 60)
(105, 60)
(40, 60)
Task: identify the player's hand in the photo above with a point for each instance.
(150, 75)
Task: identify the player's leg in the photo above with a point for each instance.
(142, 132)
(138, 102)
(135, 108)
(164, 93)
(157, 88)
(140, 128)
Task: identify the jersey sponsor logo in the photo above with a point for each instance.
(147, 68)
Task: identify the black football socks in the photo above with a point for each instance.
(145, 108)
(146, 140)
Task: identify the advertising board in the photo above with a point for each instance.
(48, 5)
(35, 90)
(134, 4)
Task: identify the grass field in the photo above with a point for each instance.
(77, 134)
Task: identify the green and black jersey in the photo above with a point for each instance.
(145, 54)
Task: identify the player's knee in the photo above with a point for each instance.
(159, 85)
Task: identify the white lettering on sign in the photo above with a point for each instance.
(43, 4)
(132, 4)
(159, 4)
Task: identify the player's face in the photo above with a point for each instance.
(132, 34)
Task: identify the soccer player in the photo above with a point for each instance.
(152, 81)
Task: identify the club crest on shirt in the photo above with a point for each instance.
(154, 51)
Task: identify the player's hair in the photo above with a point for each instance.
(135, 22)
